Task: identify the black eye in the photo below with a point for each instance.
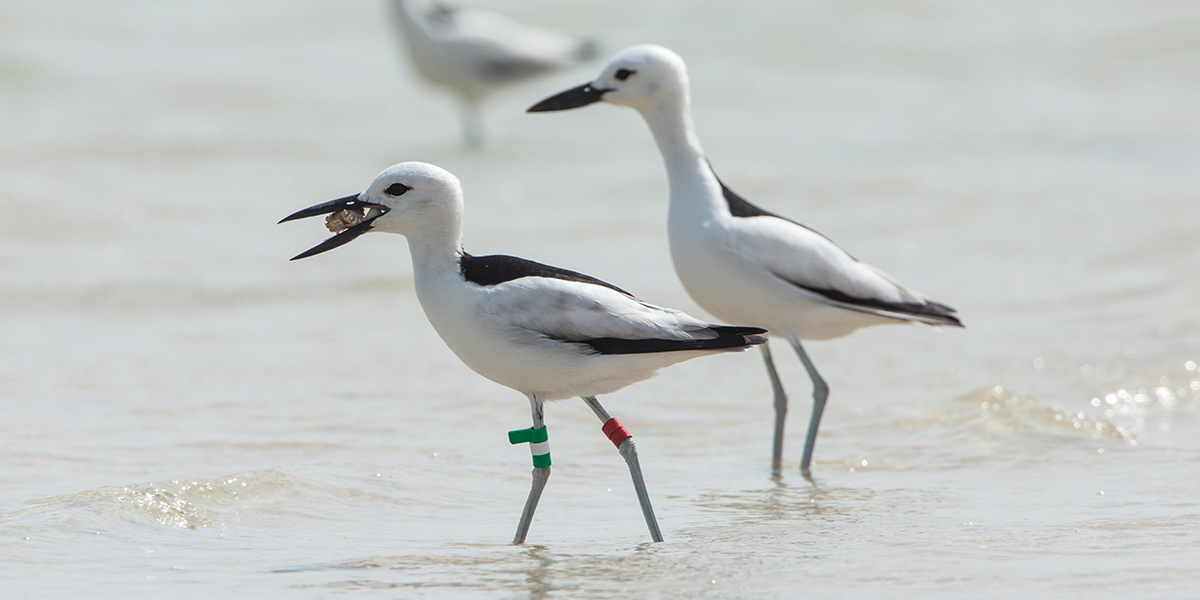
(623, 74)
(397, 189)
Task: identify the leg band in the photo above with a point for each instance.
(539, 444)
(615, 431)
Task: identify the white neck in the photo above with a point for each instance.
(435, 251)
(695, 192)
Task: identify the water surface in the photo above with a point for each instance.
(187, 414)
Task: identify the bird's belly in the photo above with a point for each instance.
(529, 362)
(441, 67)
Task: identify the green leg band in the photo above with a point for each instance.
(539, 444)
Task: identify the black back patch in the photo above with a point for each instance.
(741, 207)
(498, 268)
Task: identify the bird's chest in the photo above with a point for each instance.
(704, 261)
(477, 333)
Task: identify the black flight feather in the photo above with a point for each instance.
(929, 308)
(727, 338)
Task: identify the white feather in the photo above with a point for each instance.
(521, 333)
(569, 310)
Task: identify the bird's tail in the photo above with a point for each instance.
(730, 337)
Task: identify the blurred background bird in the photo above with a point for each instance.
(474, 52)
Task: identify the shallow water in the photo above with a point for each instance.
(186, 413)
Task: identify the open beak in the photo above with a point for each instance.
(373, 211)
(572, 98)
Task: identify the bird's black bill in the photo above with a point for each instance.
(345, 236)
(572, 98)
(340, 239)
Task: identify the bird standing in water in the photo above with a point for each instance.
(742, 263)
(546, 332)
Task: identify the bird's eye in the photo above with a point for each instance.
(397, 189)
(623, 74)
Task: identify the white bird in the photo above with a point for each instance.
(546, 332)
(474, 52)
(740, 262)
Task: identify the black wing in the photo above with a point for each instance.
(929, 309)
(727, 338)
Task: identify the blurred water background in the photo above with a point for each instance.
(184, 413)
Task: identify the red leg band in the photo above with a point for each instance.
(615, 431)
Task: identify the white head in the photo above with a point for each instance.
(642, 77)
(410, 198)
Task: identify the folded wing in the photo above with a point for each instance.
(605, 320)
(810, 261)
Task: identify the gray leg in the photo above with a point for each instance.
(540, 475)
(472, 122)
(820, 394)
(629, 451)
(781, 407)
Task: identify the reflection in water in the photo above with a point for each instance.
(538, 574)
(782, 502)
